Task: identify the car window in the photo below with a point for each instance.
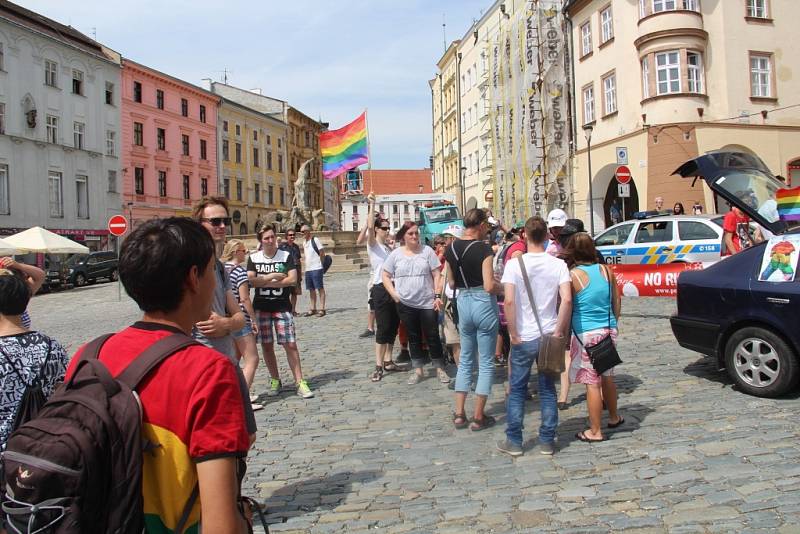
(614, 236)
(92, 260)
(441, 214)
(654, 232)
(695, 230)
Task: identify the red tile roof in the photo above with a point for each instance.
(397, 181)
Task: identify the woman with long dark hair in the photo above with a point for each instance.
(411, 277)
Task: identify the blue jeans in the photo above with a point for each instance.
(522, 359)
(477, 328)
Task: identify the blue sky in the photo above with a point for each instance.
(330, 59)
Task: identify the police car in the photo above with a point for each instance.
(662, 239)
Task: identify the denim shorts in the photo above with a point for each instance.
(314, 279)
(245, 331)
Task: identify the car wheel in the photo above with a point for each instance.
(114, 275)
(80, 280)
(760, 362)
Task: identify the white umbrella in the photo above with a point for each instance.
(6, 249)
(37, 239)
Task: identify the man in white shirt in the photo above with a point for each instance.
(313, 255)
(550, 282)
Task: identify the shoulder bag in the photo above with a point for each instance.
(603, 354)
(551, 348)
(327, 261)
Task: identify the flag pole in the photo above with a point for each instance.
(369, 155)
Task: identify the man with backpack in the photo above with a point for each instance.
(315, 261)
(169, 458)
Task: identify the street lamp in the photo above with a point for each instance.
(587, 130)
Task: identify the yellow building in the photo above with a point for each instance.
(447, 172)
(252, 168)
(303, 135)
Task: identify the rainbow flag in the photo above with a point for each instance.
(345, 148)
(788, 204)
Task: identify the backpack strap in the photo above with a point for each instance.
(314, 244)
(458, 260)
(187, 509)
(92, 349)
(152, 356)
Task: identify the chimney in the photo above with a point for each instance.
(421, 187)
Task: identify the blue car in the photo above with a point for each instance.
(743, 309)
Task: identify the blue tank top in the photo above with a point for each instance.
(591, 305)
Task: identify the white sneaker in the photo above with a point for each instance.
(253, 398)
(257, 407)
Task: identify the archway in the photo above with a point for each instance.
(793, 173)
(472, 203)
(626, 206)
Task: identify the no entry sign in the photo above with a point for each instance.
(117, 225)
(623, 174)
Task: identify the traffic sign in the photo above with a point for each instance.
(624, 190)
(622, 155)
(117, 225)
(623, 174)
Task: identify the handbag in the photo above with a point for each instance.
(603, 354)
(551, 348)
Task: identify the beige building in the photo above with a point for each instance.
(304, 145)
(668, 80)
(445, 91)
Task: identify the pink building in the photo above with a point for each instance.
(169, 147)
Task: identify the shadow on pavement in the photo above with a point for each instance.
(634, 414)
(318, 493)
(706, 368)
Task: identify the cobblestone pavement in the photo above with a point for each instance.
(693, 456)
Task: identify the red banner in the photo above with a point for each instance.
(643, 280)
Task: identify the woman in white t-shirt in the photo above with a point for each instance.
(411, 277)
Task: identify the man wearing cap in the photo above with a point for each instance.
(556, 220)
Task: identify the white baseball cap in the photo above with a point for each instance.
(493, 221)
(557, 217)
(454, 230)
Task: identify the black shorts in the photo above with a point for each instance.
(386, 318)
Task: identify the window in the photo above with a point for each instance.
(281, 198)
(159, 99)
(109, 93)
(185, 144)
(50, 73)
(238, 152)
(78, 129)
(2, 118)
(184, 107)
(615, 236)
(668, 72)
(5, 204)
(238, 190)
(269, 140)
(588, 104)
(642, 8)
(645, 78)
(186, 189)
(586, 39)
(269, 160)
(694, 72)
(203, 186)
(761, 75)
(202, 113)
(606, 25)
(663, 5)
(224, 126)
(203, 149)
(138, 180)
(138, 134)
(757, 9)
(691, 5)
(77, 82)
(695, 230)
(112, 181)
(52, 129)
(271, 192)
(2, 57)
(257, 192)
(137, 91)
(308, 139)
(82, 196)
(279, 142)
(238, 130)
(654, 232)
(225, 150)
(226, 187)
(161, 135)
(280, 162)
(255, 157)
(111, 143)
(162, 184)
(610, 94)
(255, 135)
(55, 194)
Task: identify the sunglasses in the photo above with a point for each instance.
(289, 235)
(384, 228)
(217, 221)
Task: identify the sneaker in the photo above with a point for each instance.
(253, 398)
(403, 357)
(274, 387)
(509, 448)
(548, 449)
(367, 333)
(304, 391)
(442, 376)
(257, 406)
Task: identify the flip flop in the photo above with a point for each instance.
(392, 367)
(618, 423)
(310, 313)
(321, 313)
(582, 437)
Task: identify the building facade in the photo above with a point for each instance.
(59, 129)
(669, 80)
(304, 145)
(168, 143)
(445, 92)
(398, 193)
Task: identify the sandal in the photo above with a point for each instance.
(460, 420)
(618, 423)
(582, 437)
(377, 375)
(321, 313)
(391, 367)
(310, 313)
(482, 424)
